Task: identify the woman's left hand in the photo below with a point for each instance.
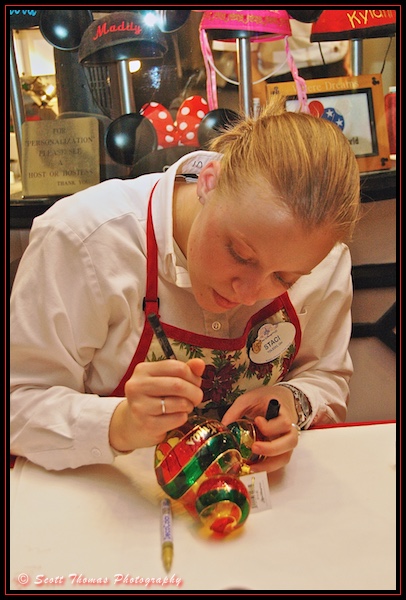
(281, 433)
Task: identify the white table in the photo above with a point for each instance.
(332, 525)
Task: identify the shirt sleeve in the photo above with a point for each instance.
(323, 367)
(55, 422)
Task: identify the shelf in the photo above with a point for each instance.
(375, 186)
(24, 211)
(378, 185)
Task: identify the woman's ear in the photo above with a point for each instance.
(207, 180)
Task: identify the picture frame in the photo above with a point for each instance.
(356, 104)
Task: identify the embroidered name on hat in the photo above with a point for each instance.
(124, 26)
(369, 17)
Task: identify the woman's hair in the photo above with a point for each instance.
(304, 161)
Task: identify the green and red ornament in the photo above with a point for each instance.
(191, 454)
(223, 503)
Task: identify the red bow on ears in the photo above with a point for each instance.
(183, 131)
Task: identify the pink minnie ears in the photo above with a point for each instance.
(182, 131)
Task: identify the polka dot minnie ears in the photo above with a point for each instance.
(182, 131)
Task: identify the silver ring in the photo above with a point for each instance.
(299, 431)
(163, 406)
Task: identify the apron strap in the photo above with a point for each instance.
(150, 301)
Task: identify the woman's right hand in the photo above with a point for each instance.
(172, 386)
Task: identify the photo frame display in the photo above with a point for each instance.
(356, 104)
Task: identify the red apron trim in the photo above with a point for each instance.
(204, 341)
(150, 302)
(140, 353)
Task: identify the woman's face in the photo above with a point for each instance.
(244, 250)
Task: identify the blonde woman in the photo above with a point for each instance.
(240, 250)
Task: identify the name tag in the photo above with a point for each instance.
(271, 341)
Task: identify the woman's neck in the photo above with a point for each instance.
(186, 205)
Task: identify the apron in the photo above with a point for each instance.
(262, 355)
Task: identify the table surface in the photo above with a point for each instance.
(332, 525)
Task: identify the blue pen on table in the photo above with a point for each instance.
(166, 534)
(160, 334)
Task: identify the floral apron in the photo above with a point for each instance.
(261, 356)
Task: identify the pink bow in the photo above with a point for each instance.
(182, 131)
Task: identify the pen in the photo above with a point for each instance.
(160, 334)
(273, 409)
(166, 531)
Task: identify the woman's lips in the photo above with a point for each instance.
(223, 302)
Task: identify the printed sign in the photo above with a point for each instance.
(60, 157)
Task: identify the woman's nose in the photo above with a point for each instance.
(248, 291)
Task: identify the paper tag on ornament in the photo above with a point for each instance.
(258, 489)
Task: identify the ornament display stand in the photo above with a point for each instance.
(244, 73)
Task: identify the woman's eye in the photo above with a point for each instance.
(237, 257)
(247, 261)
(280, 280)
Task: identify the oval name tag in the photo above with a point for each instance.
(271, 341)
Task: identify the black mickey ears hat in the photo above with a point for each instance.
(121, 36)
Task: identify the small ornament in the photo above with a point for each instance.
(223, 503)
